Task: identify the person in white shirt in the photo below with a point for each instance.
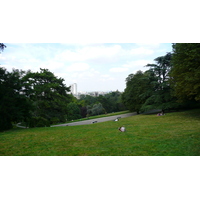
(122, 129)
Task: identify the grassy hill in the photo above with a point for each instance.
(175, 134)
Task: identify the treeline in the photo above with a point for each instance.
(87, 105)
(40, 99)
(35, 98)
(172, 83)
(102, 104)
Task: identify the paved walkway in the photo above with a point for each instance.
(103, 119)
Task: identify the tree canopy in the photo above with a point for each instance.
(160, 95)
(14, 106)
(151, 89)
(136, 85)
(48, 94)
(185, 74)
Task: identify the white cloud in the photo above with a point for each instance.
(149, 45)
(89, 53)
(118, 69)
(137, 63)
(2, 58)
(78, 67)
(134, 66)
(141, 51)
(106, 77)
(52, 65)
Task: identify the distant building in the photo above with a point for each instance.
(74, 89)
(94, 93)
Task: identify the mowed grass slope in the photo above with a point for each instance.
(175, 134)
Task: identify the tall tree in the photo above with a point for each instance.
(136, 86)
(48, 93)
(161, 93)
(14, 105)
(185, 74)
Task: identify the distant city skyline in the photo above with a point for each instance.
(74, 91)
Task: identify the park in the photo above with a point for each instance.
(174, 134)
(42, 103)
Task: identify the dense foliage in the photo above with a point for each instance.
(101, 104)
(136, 85)
(35, 98)
(172, 83)
(186, 71)
(151, 89)
(14, 106)
(48, 94)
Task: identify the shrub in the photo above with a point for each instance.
(54, 120)
(38, 122)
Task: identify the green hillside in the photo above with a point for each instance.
(175, 134)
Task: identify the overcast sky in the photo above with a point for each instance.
(94, 67)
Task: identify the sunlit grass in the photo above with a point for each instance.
(175, 134)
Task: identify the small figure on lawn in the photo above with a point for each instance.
(160, 114)
(122, 129)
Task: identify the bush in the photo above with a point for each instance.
(54, 120)
(62, 118)
(38, 122)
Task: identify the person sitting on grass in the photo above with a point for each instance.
(122, 129)
(160, 114)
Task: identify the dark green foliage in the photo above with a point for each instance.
(83, 112)
(114, 102)
(37, 99)
(137, 87)
(55, 120)
(73, 111)
(151, 89)
(97, 109)
(38, 122)
(14, 106)
(185, 74)
(107, 103)
(48, 94)
(160, 94)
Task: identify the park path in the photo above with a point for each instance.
(97, 120)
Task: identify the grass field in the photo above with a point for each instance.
(175, 134)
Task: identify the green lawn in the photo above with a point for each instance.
(175, 134)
